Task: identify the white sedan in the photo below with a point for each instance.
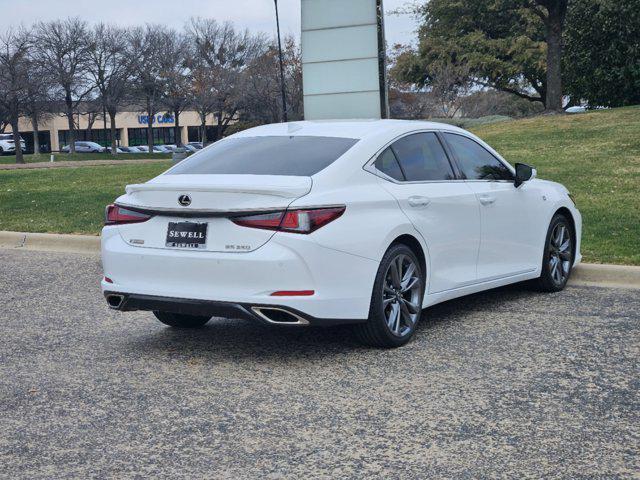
(324, 223)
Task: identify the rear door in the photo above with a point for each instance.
(441, 207)
(511, 217)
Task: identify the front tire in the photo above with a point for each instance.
(179, 320)
(557, 261)
(396, 300)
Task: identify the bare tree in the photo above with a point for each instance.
(261, 98)
(176, 80)
(110, 68)
(14, 72)
(147, 45)
(63, 50)
(219, 57)
(38, 103)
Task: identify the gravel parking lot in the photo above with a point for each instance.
(509, 383)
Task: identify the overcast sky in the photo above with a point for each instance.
(256, 15)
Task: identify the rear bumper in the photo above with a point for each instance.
(219, 282)
(261, 313)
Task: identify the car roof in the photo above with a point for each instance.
(358, 129)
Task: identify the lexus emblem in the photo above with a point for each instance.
(184, 200)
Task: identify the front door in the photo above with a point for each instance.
(511, 218)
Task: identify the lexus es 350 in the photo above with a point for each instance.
(324, 223)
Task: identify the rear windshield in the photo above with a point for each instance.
(278, 155)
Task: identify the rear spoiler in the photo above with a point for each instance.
(285, 191)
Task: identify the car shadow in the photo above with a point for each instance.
(244, 338)
(230, 338)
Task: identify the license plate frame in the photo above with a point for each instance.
(187, 235)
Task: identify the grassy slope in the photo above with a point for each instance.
(78, 157)
(597, 156)
(66, 200)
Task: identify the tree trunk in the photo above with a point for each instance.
(36, 134)
(218, 126)
(203, 129)
(554, 25)
(150, 116)
(176, 128)
(71, 123)
(114, 146)
(16, 138)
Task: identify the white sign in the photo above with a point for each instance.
(341, 64)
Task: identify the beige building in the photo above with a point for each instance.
(131, 130)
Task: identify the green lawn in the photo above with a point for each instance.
(66, 200)
(78, 157)
(596, 155)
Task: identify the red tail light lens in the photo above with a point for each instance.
(292, 221)
(115, 215)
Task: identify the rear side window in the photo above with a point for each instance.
(388, 164)
(273, 155)
(422, 157)
(475, 161)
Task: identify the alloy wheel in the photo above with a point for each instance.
(560, 254)
(401, 301)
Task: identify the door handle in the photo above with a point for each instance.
(419, 201)
(486, 199)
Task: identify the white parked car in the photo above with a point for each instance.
(7, 144)
(323, 223)
(85, 147)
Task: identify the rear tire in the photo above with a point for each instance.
(557, 261)
(179, 320)
(396, 300)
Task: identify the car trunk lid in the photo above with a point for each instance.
(208, 200)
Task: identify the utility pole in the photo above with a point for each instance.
(282, 89)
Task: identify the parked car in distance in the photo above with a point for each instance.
(339, 222)
(7, 144)
(191, 148)
(118, 150)
(197, 145)
(85, 147)
(159, 149)
(170, 148)
(142, 148)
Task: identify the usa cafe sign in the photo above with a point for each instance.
(160, 118)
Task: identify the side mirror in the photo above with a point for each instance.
(524, 173)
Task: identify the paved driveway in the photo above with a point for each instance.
(509, 383)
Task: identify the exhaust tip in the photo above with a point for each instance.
(115, 301)
(279, 316)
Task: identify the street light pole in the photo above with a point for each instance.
(284, 95)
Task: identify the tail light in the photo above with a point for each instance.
(115, 215)
(302, 221)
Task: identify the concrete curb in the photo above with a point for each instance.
(617, 276)
(78, 163)
(50, 242)
(588, 274)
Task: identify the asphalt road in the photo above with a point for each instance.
(509, 383)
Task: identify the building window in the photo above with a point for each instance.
(195, 133)
(161, 136)
(97, 135)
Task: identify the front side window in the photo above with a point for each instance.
(270, 155)
(422, 158)
(476, 162)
